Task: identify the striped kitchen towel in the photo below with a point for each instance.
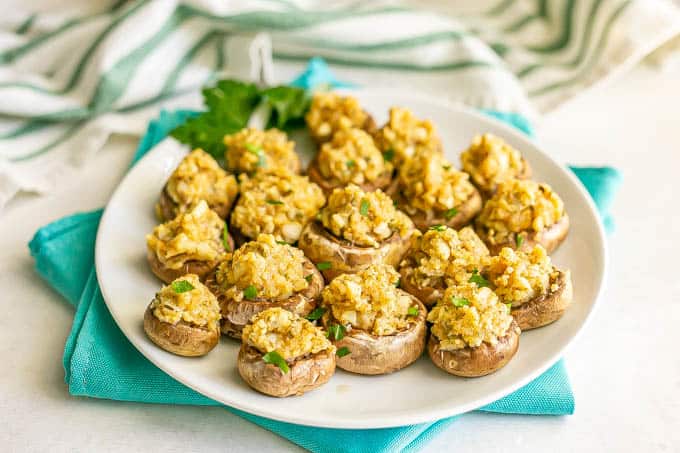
(71, 78)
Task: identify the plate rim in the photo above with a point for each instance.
(401, 419)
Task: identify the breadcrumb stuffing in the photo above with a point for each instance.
(197, 307)
(489, 160)
(252, 149)
(331, 112)
(405, 134)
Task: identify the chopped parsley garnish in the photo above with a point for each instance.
(259, 152)
(351, 163)
(413, 311)
(342, 352)
(282, 243)
(274, 202)
(509, 305)
(336, 332)
(519, 239)
(316, 314)
(446, 167)
(398, 284)
(450, 213)
(438, 227)
(388, 155)
(479, 279)
(323, 265)
(309, 277)
(225, 238)
(182, 286)
(275, 358)
(250, 292)
(253, 148)
(394, 202)
(460, 301)
(363, 209)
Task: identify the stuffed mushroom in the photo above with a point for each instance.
(377, 327)
(432, 192)
(537, 291)
(197, 177)
(350, 158)
(521, 214)
(191, 243)
(275, 201)
(332, 112)
(404, 135)
(356, 229)
(440, 258)
(473, 334)
(251, 150)
(283, 354)
(263, 274)
(489, 161)
(184, 318)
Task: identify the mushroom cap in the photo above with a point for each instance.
(182, 338)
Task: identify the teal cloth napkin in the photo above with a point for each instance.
(100, 362)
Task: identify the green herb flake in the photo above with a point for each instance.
(394, 203)
(363, 209)
(342, 352)
(509, 305)
(274, 202)
(225, 238)
(336, 332)
(450, 213)
(519, 239)
(317, 313)
(388, 155)
(275, 358)
(446, 167)
(253, 148)
(413, 311)
(477, 278)
(323, 265)
(181, 286)
(309, 278)
(438, 227)
(250, 292)
(282, 243)
(351, 163)
(460, 301)
(398, 284)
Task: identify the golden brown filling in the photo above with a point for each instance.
(251, 149)
(187, 299)
(467, 316)
(195, 235)
(352, 157)
(517, 206)
(369, 300)
(443, 256)
(430, 183)
(278, 202)
(518, 277)
(490, 161)
(363, 218)
(276, 329)
(331, 112)
(264, 269)
(404, 134)
(199, 177)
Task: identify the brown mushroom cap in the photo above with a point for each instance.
(322, 246)
(327, 185)
(478, 361)
(305, 374)
(428, 295)
(372, 354)
(546, 308)
(236, 314)
(167, 207)
(424, 220)
(550, 238)
(182, 338)
(167, 275)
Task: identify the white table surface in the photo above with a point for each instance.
(625, 368)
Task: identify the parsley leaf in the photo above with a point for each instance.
(289, 105)
(363, 209)
(351, 163)
(519, 240)
(479, 279)
(342, 352)
(336, 332)
(274, 202)
(225, 238)
(324, 265)
(181, 286)
(413, 311)
(509, 305)
(460, 301)
(450, 213)
(309, 278)
(388, 155)
(438, 227)
(446, 167)
(316, 314)
(398, 284)
(275, 358)
(250, 292)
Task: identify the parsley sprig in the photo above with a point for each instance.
(479, 279)
(317, 313)
(181, 286)
(460, 302)
(275, 358)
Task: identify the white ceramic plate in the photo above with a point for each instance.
(416, 394)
